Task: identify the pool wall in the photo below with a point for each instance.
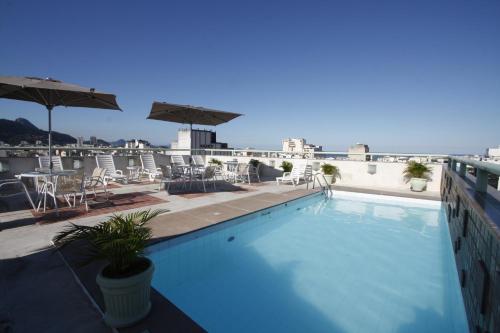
(474, 232)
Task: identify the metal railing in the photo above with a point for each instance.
(483, 169)
(231, 152)
(326, 188)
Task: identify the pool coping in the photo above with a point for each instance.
(204, 220)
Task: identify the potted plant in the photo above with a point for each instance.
(417, 174)
(286, 166)
(331, 173)
(125, 281)
(215, 161)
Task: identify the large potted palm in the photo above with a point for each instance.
(125, 281)
(418, 175)
(331, 173)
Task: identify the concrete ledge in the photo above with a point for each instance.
(176, 224)
(402, 194)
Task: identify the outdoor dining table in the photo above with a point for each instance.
(47, 176)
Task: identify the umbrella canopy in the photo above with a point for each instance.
(51, 93)
(187, 114)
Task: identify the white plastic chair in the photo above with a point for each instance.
(206, 176)
(107, 162)
(149, 167)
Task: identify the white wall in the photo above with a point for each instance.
(354, 173)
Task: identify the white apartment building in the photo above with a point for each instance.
(297, 147)
(493, 153)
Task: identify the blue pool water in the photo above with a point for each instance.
(356, 263)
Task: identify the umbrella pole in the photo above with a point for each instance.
(49, 109)
(190, 139)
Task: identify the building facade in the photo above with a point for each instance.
(197, 139)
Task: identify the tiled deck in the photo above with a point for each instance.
(34, 277)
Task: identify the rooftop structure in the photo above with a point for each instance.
(357, 152)
(197, 139)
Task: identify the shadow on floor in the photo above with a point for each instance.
(39, 294)
(196, 188)
(164, 316)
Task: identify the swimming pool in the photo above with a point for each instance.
(355, 263)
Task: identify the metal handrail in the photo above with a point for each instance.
(327, 189)
(486, 166)
(210, 151)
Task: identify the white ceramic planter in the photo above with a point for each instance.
(329, 179)
(418, 184)
(127, 300)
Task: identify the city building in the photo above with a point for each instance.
(197, 139)
(493, 153)
(79, 141)
(297, 147)
(137, 144)
(93, 140)
(356, 152)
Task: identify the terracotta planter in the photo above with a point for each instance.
(418, 184)
(127, 300)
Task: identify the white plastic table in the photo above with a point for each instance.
(50, 179)
(133, 172)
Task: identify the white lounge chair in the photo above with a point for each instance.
(299, 171)
(107, 162)
(178, 160)
(149, 167)
(198, 160)
(44, 162)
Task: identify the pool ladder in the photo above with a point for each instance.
(325, 187)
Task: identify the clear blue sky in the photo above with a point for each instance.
(418, 76)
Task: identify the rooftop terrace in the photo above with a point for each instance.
(37, 277)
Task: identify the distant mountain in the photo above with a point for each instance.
(100, 143)
(15, 131)
(118, 143)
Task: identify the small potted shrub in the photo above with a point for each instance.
(125, 281)
(417, 174)
(215, 162)
(286, 166)
(331, 173)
